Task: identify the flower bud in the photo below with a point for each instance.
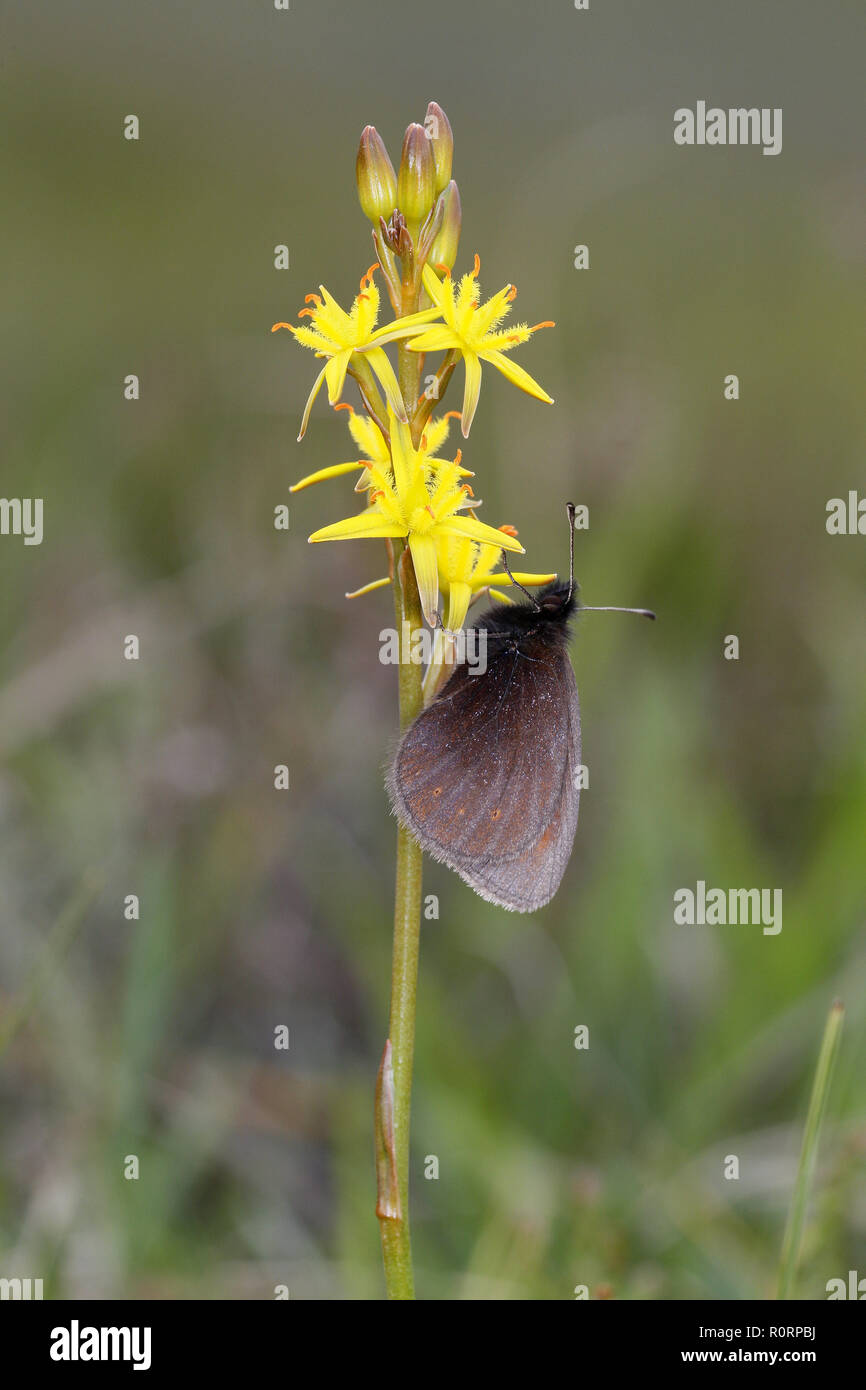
(441, 140)
(416, 180)
(396, 233)
(374, 172)
(444, 248)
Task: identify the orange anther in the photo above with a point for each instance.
(312, 299)
(477, 266)
(508, 530)
(367, 279)
(458, 456)
(275, 326)
(306, 313)
(345, 405)
(548, 323)
(512, 294)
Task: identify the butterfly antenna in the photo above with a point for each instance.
(641, 612)
(532, 599)
(571, 509)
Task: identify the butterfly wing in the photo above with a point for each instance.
(485, 778)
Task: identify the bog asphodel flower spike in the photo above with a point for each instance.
(420, 503)
(338, 336)
(470, 328)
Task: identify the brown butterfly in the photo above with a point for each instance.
(486, 778)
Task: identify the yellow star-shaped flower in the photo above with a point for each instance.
(371, 442)
(418, 499)
(465, 568)
(470, 328)
(334, 334)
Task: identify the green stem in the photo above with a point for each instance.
(392, 1120)
(408, 374)
(373, 403)
(408, 362)
(820, 1087)
(428, 404)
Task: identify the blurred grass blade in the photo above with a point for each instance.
(820, 1089)
(56, 944)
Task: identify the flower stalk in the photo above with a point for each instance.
(394, 1226)
(396, 1096)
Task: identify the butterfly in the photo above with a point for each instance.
(487, 777)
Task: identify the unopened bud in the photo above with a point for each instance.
(438, 130)
(374, 172)
(444, 248)
(396, 233)
(416, 180)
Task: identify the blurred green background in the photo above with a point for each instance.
(260, 908)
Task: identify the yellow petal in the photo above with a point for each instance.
(336, 470)
(378, 359)
(426, 574)
(308, 337)
(436, 339)
(368, 437)
(308, 407)
(403, 457)
(433, 285)
(435, 434)
(477, 531)
(437, 670)
(366, 524)
(335, 374)
(472, 391)
(519, 576)
(403, 328)
(459, 597)
(368, 588)
(517, 376)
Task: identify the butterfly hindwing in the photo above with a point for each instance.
(485, 777)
